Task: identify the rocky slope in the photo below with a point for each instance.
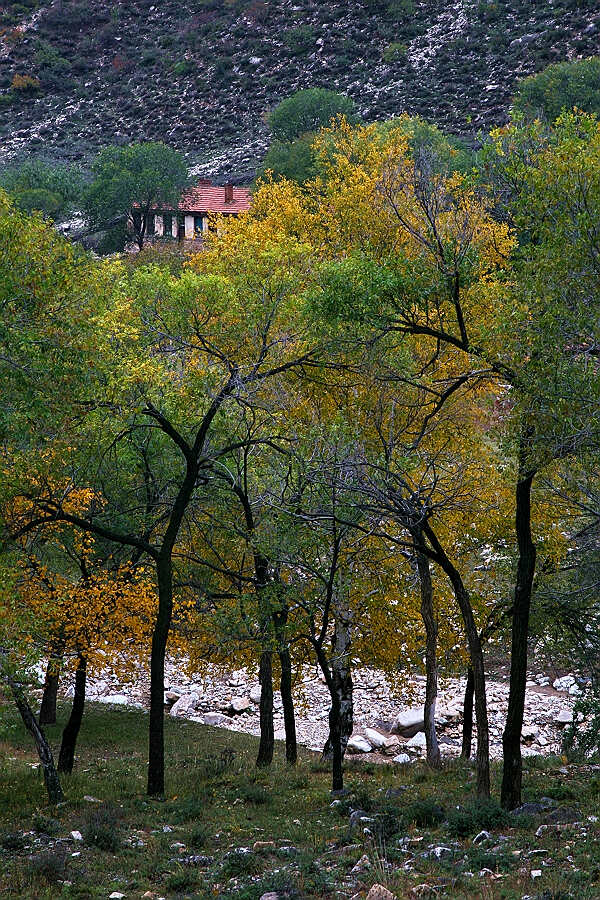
(202, 74)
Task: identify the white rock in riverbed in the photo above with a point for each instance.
(358, 744)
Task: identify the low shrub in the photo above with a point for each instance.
(467, 820)
(254, 794)
(49, 866)
(199, 837)
(241, 862)
(182, 881)
(424, 814)
(102, 829)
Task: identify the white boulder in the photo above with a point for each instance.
(409, 722)
(358, 744)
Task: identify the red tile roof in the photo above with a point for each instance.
(205, 198)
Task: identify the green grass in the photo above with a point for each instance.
(218, 805)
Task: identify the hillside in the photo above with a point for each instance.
(201, 74)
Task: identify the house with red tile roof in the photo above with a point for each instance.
(191, 218)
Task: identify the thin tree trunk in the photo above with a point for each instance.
(512, 774)
(287, 700)
(434, 758)
(47, 714)
(267, 731)
(335, 723)
(477, 663)
(156, 736)
(51, 779)
(70, 734)
(467, 732)
(341, 675)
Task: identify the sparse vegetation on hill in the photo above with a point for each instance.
(76, 75)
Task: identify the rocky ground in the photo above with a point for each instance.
(388, 718)
(202, 76)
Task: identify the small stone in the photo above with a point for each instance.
(263, 845)
(482, 836)
(402, 759)
(418, 742)
(89, 799)
(375, 738)
(358, 744)
(177, 845)
(116, 895)
(185, 705)
(379, 892)
(254, 693)
(409, 722)
(564, 717)
(214, 718)
(536, 873)
(77, 835)
(363, 865)
(239, 705)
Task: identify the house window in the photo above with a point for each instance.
(168, 225)
(198, 224)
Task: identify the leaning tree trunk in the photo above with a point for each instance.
(434, 758)
(341, 675)
(477, 663)
(70, 734)
(512, 774)
(287, 701)
(467, 731)
(156, 735)
(267, 731)
(51, 779)
(47, 714)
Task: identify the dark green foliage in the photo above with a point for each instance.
(149, 175)
(301, 39)
(562, 85)
(241, 862)
(12, 840)
(294, 160)
(581, 740)
(102, 829)
(199, 837)
(307, 111)
(464, 821)
(254, 794)
(45, 825)
(424, 813)
(49, 866)
(190, 809)
(182, 881)
(35, 184)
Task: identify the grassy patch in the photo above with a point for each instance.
(227, 830)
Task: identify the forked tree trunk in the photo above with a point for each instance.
(477, 663)
(287, 701)
(267, 731)
(434, 758)
(341, 676)
(70, 734)
(156, 736)
(51, 779)
(467, 731)
(512, 773)
(47, 714)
